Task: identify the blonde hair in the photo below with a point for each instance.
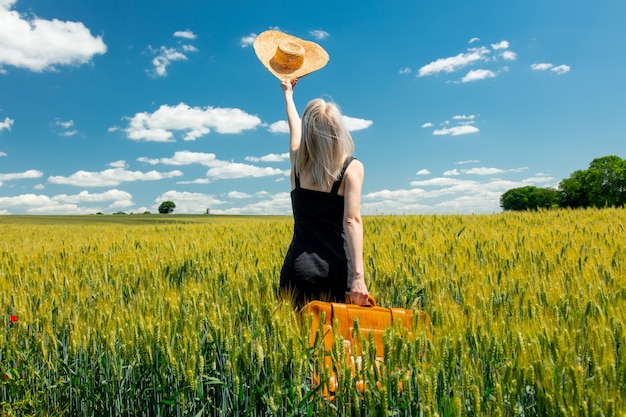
(325, 143)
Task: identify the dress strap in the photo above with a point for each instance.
(297, 180)
(337, 182)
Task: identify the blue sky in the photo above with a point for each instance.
(109, 106)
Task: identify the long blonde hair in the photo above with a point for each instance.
(325, 143)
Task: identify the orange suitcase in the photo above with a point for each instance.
(371, 320)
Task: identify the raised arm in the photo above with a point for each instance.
(295, 128)
(353, 227)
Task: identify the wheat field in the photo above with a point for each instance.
(183, 318)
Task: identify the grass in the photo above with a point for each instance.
(131, 219)
(179, 316)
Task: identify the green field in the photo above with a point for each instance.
(130, 219)
(176, 315)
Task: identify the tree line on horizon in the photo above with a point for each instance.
(601, 185)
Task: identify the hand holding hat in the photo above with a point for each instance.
(289, 57)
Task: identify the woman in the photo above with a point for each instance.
(325, 258)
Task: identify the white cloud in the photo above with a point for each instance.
(188, 203)
(118, 164)
(218, 169)
(186, 158)
(3, 153)
(447, 195)
(454, 63)
(272, 157)
(164, 57)
(120, 204)
(110, 177)
(464, 125)
(195, 121)
(187, 34)
(33, 203)
(500, 45)
(539, 179)
(439, 182)
(480, 170)
(196, 181)
(470, 161)
(397, 195)
(6, 124)
(24, 200)
(460, 188)
(561, 69)
(427, 124)
(472, 56)
(478, 74)
(405, 70)
(65, 125)
(248, 40)
(456, 130)
(67, 204)
(39, 44)
(464, 117)
(29, 174)
(234, 170)
(353, 124)
(319, 34)
(423, 172)
(280, 126)
(483, 171)
(279, 203)
(238, 195)
(87, 197)
(509, 55)
(544, 66)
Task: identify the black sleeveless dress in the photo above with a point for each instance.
(316, 264)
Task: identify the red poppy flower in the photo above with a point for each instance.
(13, 319)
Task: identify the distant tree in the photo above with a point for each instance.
(167, 207)
(530, 198)
(574, 190)
(607, 181)
(603, 184)
(515, 199)
(545, 198)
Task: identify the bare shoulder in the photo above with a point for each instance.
(355, 169)
(353, 178)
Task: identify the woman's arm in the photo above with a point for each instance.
(353, 227)
(295, 128)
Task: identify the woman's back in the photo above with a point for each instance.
(316, 263)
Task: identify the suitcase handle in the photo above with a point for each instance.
(371, 302)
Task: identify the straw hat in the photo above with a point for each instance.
(287, 56)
